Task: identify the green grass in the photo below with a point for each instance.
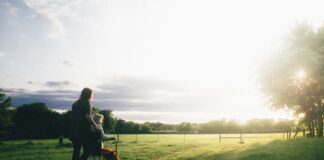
(190, 147)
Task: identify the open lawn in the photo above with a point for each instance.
(188, 147)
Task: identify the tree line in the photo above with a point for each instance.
(37, 121)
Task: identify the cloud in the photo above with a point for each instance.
(122, 93)
(33, 83)
(126, 94)
(13, 90)
(49, 14)
(7, 8)
(67, 63)
(51, 84)
(58, 99)
(57, 84)
(2, 54)
(141, 89)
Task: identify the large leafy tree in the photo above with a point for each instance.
(294, 77)
(5, 115)
(35, 120)
(109, 121)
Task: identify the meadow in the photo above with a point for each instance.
(179, 147)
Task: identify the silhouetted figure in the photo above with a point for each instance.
(81, 121)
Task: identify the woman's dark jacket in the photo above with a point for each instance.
(79, 125)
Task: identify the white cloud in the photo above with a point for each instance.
(7, 8)
(2, 54)
(49, 13)
(68, 63)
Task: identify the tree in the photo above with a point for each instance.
(293, 78)
(120, 126)
(109, 121)
(5, 115)
(36, 121)
(65, 122)
(145, 129)
(136, 128)
(185, 127)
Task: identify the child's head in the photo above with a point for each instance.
(98, 118)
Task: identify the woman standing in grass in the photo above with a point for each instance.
(81, 121)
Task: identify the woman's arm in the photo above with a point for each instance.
(89, 117)
(92, 122)
(106, 137)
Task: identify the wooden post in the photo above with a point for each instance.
(220, 138)
(117, 137)
(116, 147)
(241, 136)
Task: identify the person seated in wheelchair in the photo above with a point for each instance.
(99, 136)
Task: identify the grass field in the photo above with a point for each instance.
(188, 147)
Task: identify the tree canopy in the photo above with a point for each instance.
(293, 78)
(5, 115)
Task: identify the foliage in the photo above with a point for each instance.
(36, 121)
(65, 123)
(185, 127)
(293, 78)
(109, 121)
(6, 114)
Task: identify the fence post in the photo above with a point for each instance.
(117, 137)
(241, 136)
(220, 137)
(136, 137)
(116, 147)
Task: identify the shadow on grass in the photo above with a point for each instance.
(64, 145)
(297, 149)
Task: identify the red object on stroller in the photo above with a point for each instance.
(109, 154)
(103, 153)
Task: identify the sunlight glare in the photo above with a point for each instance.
(301, 74)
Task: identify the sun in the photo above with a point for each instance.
(301, 74)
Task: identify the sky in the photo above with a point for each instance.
(169, 61)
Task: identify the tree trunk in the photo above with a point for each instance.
(313, 128)
(60, 140)
(320, 125)
(309, 127)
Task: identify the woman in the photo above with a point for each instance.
(81, 121)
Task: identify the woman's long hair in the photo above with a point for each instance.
(86, 94)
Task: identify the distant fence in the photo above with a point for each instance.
(267, 134)
(241, 136)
